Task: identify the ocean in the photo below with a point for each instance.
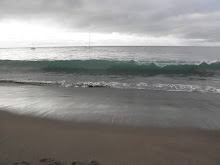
(135, 86)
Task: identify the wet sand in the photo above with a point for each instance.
(32, 139)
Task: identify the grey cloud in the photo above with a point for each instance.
(195, 19)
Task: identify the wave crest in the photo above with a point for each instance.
(105, 67)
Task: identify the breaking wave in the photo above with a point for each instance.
(106, 67)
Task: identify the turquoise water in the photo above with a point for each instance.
(156, 68)
(135, 86)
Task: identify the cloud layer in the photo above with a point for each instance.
(194, 19)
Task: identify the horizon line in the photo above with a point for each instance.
(16, 47)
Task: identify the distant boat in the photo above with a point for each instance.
(89, 46)
(89, 39)
(33, 47)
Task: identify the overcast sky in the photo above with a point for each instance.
(110, 22)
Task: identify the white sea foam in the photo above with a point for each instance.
(119, 85)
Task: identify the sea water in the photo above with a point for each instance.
(159, 86)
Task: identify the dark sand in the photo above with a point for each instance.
(30, 139)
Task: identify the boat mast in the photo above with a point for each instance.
(89, 39)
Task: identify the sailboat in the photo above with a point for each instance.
(89, 39)
(33, 47)
(89, 46)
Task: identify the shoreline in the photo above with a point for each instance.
(100, 105)
(30, 139)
